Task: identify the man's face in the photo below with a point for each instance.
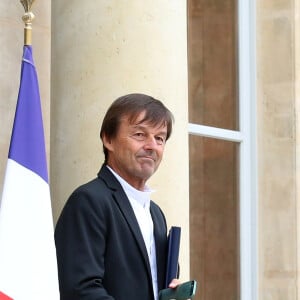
(136, 151)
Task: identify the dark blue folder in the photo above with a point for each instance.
(173, 254)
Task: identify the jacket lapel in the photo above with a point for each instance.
(127, 211)
(159, 224)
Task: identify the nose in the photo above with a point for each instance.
(150, 142)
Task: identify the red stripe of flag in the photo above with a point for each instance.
(5, 297)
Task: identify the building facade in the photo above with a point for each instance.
(229, 71)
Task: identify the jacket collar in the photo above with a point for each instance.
(123, 203)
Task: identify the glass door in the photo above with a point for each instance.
(222, 149)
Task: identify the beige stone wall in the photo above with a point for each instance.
(277, 148)
(100, 51)
(11, 40)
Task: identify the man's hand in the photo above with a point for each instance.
(174, 283)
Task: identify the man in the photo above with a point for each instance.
(111, 239)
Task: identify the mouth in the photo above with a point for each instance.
(147, 158)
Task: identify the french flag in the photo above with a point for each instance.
(28, 267)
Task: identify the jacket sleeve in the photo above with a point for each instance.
(80, 237)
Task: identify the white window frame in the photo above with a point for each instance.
(246, 139)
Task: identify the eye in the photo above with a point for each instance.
(160, 140)
(139, 136)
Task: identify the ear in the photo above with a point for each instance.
(107, 142)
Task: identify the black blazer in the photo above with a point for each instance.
(100, 249)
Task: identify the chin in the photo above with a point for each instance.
(147, 173)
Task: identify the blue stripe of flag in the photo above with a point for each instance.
(27, 146)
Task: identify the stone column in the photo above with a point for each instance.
(277, 132)
(100, 51)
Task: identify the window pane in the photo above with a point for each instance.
(212, 48)
(214, 218)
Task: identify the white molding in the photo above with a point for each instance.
(248, 159)
(214, 132)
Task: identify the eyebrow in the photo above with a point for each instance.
(143, 127)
